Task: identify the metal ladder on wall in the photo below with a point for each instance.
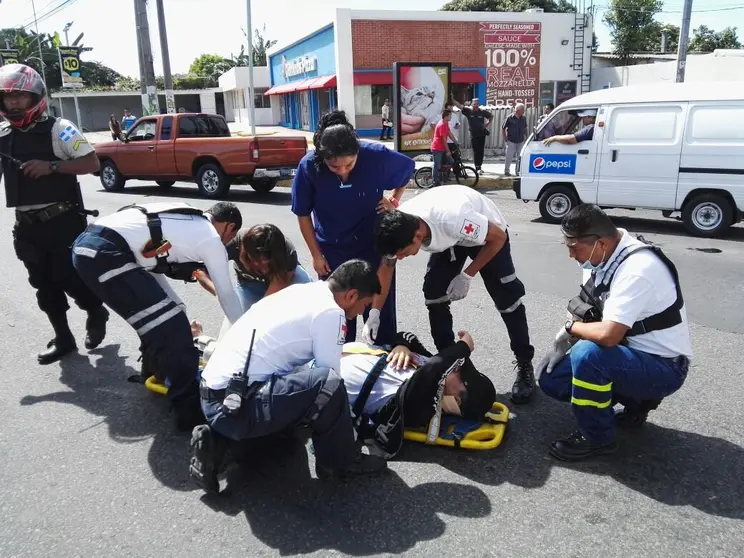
(584, 78)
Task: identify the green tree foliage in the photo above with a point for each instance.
(705, 39)
(631, 24)
(95, 75)
(507, 5)
(210, 67)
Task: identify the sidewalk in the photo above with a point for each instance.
(493, 167)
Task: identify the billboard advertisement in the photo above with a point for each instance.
(565, 90)
(8, 56)
(420, 91)
(512, 60)
(69, 64)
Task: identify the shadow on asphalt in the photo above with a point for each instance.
(671, 466)
(237, 194)
(671, 227)
(131, 413)
(290, 511)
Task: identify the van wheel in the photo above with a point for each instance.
(556, 202)
(707, 215)
(212, 181)
(111, 178)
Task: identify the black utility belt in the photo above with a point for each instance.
(43, 215)
(219, 394)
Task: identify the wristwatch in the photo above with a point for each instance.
(53, 166)
(569, 324)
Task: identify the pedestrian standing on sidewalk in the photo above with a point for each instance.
(337, 193)
(387, 125)
(515, 132)
(479, 120)
(440, 149)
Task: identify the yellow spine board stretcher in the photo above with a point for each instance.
(156, 387)
(456, 432)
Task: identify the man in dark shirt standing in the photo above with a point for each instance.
(515, 132)
(479, 120)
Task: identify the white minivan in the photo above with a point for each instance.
(675, 147)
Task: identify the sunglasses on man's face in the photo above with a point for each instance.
(572, 241)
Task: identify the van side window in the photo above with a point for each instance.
(656, 125)
(716, 125)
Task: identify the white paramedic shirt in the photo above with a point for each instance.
(193, 239)
(456, 215)
(641, 287)
(355, 367)
(298, 324)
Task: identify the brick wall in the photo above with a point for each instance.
(378, 44)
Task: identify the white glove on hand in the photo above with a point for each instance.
(561, 345)
(458, 288)
(369, 331)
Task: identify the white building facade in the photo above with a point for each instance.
(237, 94)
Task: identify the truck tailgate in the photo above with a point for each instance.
(280, 151)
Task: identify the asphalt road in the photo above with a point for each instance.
(91, 467)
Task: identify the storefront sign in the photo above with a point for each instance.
(69, 64)
(299, 66)
(8, 56)
(547, 92)
(420, 90)
(512, 61)
(566, 91)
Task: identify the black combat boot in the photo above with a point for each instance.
(635, 415)
(575, 447)
(208, 458)
(524, 385)
(95, 327)
(63, 342)
(363, 465)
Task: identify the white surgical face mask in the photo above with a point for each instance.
(588, 265)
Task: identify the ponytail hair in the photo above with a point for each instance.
(267, 242)
(335, 137)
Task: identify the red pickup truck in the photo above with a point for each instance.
(185, 146)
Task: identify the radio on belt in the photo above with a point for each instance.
(237, 386)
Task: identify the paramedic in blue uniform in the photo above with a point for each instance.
(289, 347)
(114, 257)
(453, 224)
(341, 184)
(635, 353)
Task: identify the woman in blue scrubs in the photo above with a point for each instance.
(341, 184)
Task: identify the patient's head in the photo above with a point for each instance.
(468, 393)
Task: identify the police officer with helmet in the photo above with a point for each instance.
(125, 258)
(41, 158)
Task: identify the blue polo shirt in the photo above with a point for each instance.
(345, 214)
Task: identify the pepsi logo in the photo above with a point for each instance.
(538, 163)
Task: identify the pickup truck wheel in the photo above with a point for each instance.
(263, 185)
(212, 181)
(556, 202)
(707, 215)
(111, 178)
(165, 184)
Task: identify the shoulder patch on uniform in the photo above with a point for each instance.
(68, 133)
(342, 329)
(469, 229)
(78, 142)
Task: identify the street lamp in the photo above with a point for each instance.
(65, 30)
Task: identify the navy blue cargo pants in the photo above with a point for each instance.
(106, 264)
(502, 283)
(312, 396)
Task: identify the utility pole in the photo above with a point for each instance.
(251, 94)
(38, 39)
(170, 99)
(684, 34)
(150, 104)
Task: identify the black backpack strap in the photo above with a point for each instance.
(666, 318)
(358, 409)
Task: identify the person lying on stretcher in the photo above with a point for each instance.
(412, 388)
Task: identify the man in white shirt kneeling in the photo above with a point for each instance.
(278, 368)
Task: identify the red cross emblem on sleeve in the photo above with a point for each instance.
(469, 229)
(342, 331)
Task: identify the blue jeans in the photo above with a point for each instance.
(313, 396)
(439, 159)
(593, 378)
(250, 292)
